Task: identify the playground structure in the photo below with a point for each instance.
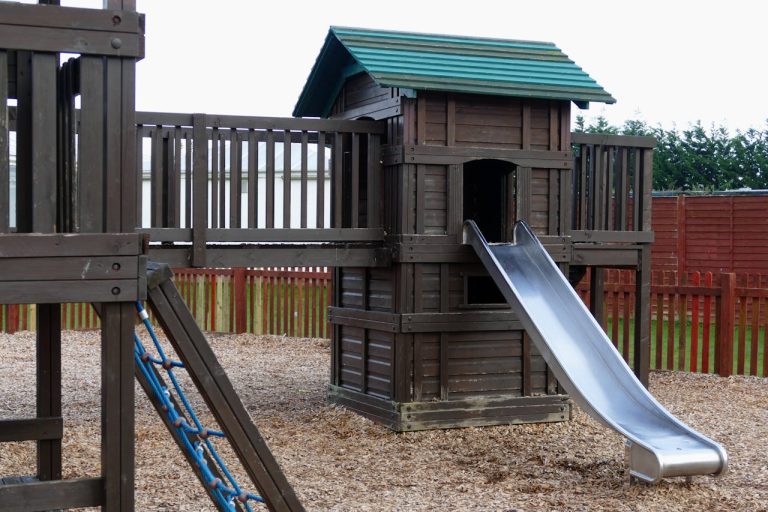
(378, 188)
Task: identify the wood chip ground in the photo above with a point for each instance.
(337, 460)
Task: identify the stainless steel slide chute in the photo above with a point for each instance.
(586, 363)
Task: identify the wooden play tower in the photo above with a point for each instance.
(396, 140)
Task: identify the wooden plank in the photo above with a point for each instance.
(83, 492)
(354, 195)
(374, 175)
(117, 405)
(30, 292)
(235, 179)
(113, 149)
(337, 197)
(320, 214)
(200, 190)
(222, 179)
(188, 180)
(246, 235)
(706, 328)
(4, 145)
(69, 268)
(287, 179)
(214, 187)
(32, 429)
(175, 181)
(253, 180)
(91, 136)
(48, 386)
(304, 178)
(53, 245)
(613, 140)
(84, 42)
(270, 182)
(694, 356)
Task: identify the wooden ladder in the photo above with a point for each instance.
(214, 386)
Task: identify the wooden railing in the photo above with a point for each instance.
(203, 174)
(612, 181)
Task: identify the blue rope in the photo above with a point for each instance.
(225, 495)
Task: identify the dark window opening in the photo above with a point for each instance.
(482, 290)
(489, 197)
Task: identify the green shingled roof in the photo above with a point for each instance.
(444, 63)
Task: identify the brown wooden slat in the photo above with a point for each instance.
(200, 190)
(270, 183)
(113, 149)
(4, 145)
(304, 177)
(373, 181)
(214, 187)
(187, 181)
(32, 429)
(320, 219)
(222, 179)
(84, 492)
(287, 179)
(253, 180)
(235, 179)
(337, 198)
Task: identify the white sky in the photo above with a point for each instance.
(670, 62)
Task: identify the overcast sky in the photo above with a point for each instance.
(670, 62)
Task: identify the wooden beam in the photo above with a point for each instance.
(31, 429)
(56, 494)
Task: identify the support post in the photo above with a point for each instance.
(597, 295)
(117, 414)
(642, 341)
(48, 349)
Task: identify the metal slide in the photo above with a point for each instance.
(586, 363)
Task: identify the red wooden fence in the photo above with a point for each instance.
(700, 321)
(282, 301)
(711, 233)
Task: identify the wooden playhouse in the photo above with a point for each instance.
(475, 129)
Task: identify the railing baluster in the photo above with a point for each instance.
(4, 146)
(235, 179)
(187, 179)
(337, 198)
(223, 180)
(287, 179)
(176, 190)
(214, 178)
(270, 200)
(304, 169)
(253, 180)
(354, 207)
(320, 219)
(373, 167)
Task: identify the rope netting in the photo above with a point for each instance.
(195, 438)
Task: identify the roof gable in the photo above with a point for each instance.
(444, 63)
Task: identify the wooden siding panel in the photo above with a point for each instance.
(435, 199)
(380, 289)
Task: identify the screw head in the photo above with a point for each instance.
(116, 291)
(117, 43)
(115, 266)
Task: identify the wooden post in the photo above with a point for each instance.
(642, 355)
(239, 282)
(724, 348)
(199, 189)
(49, 386)
(117, 400)
(597, 295)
